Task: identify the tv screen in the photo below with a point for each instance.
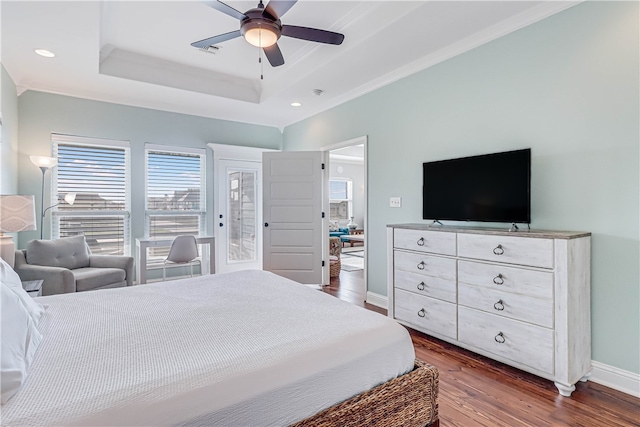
(491, 187)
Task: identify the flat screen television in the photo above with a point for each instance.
(489, 188)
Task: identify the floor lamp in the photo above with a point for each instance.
(17, 213)
(44, 163)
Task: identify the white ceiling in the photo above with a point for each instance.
(138, 53)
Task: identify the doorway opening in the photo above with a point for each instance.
(347, 208)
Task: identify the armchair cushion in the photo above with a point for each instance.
(92, 278)
(68, 252)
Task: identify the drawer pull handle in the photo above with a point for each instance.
(498, 280)
(421, 286)
(422, 265)
(499, 305)
(420, 241)
(499, 338)
(498, 250)
(422, 313)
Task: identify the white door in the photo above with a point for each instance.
(292, 215)
(239, 219)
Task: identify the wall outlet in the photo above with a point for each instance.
(395, 202)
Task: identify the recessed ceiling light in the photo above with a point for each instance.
(45, 53)
(295, 104)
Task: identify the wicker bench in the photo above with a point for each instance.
(407, 401)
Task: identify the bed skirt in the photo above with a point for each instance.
(407, 401)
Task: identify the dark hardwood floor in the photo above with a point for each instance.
(477, 391)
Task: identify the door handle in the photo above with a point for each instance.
(266, 224)
(221, 224)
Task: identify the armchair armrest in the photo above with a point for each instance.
(57, 280)
(114, 261)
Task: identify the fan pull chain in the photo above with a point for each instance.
(260, 54)
(260, 62)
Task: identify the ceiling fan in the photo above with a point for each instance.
(262, 28)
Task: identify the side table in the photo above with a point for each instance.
(33, 287)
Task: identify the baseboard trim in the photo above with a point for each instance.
(377, 300)
(615, 378)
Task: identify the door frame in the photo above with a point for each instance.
(231, 152)
(325, 203)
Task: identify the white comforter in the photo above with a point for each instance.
(238, 349)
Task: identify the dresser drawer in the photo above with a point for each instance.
(537, 284)
(434, 287)
(425, 241)
(520, 342)
(508, 249)
(505, 304)
(426, 265)
(427, 314)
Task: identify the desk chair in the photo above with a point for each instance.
(184, 250)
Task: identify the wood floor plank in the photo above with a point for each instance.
(477, 391)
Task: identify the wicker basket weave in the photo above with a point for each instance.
(406, 401)
(335, 265)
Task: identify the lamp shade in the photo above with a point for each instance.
(17, 213)
(70, 198)
(43, 161)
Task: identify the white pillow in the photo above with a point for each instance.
(11, 279)
(20, 340)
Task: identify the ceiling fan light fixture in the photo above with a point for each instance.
(261, 36)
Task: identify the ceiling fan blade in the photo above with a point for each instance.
(276, 8)
(225, 8)
(312, 34)
(216, 39)
(274, 55)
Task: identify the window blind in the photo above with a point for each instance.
(338, 190)
(174, 181)
(99, 176)
(175, 194)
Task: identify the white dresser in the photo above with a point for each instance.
(522, 298)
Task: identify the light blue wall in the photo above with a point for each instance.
(568, 88)
(9, 142)
(41, 114)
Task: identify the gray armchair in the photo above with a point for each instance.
(67, 265)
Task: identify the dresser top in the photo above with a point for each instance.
(522, 232)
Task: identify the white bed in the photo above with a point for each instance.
(240, 349)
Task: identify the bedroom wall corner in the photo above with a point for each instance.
(9, 142)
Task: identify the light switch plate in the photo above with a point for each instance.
(395, 202)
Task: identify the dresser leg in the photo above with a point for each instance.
(565, 390)
(586, 377)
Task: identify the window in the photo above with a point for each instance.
(97, 171)
(175, 193)
(241, 214)
(340, 199)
